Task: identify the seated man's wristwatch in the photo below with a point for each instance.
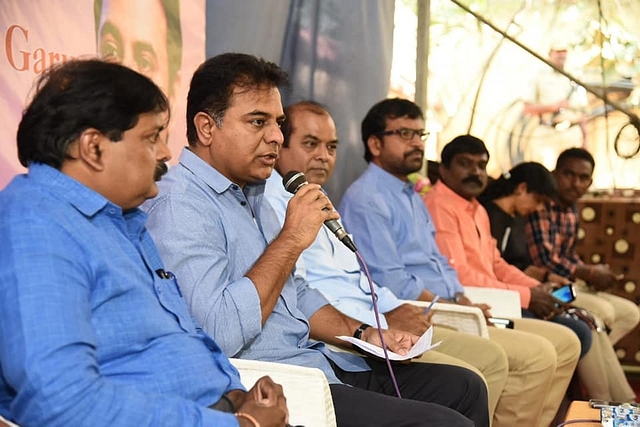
(358, 333)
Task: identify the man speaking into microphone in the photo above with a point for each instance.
(217, 232)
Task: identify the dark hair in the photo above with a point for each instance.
(306, 105)
(575, 153)
(174, 35)
(375, 122)
(81, 94)
(462, 144)
(538, 179)
(214, 81)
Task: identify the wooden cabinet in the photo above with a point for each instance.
(610, 233)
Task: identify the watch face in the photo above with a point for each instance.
(358, 333)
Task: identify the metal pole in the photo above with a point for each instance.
(422, 53)
(633, 118)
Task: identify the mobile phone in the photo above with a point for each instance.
(501, 323)
(597, 403)
(565, 293)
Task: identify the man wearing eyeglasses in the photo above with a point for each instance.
(396, 236)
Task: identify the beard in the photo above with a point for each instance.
(412, 165)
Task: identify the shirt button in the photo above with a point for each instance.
(243, 203)
(234, 187)
(112, 211)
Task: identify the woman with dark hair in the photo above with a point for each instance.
(508, 200)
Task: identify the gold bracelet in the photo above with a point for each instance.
(248, 417)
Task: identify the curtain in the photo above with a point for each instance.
(337, 53)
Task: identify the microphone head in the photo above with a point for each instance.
(293, 180)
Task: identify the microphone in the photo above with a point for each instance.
(292, 182)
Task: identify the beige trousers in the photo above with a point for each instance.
(481, 355)
(559, 348)
(601, 373)
(541, 358)
(620, 314)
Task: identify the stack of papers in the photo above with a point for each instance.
(422, 345)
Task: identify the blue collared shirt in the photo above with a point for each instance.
(89, 333)
(329, 266)
(210, 232)
(396, 236)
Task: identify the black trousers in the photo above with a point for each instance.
(433, 395)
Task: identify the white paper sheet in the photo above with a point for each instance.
(422, 345)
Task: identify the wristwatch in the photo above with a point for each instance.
(358, 333)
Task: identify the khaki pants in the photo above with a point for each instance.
(551, 350)
(541, 359)
(620, 314)
(601, 373)
(480, 355)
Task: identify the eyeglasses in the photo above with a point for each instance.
(407, 134)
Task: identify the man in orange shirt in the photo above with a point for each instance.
(463, 235)
(463, 231)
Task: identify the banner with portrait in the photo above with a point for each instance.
(163, 39)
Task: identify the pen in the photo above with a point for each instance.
(430, 306)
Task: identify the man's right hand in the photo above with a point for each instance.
(266, 403)
(305, 215)
(542, 303)
(602, 278)
(410, 318)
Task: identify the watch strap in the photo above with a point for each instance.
(358, 333)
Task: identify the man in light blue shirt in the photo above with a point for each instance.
(93, 330)
(216, 230)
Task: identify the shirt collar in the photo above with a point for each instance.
(84, 199)
(454, 198)
(214, 179)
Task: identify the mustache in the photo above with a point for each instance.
(475, 179)
(412, 152)
(161, 169)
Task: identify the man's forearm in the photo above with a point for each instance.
(327, 323)
(584, 272)
(271, 271)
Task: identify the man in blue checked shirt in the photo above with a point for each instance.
(93, 330)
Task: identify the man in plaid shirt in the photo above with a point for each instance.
(552, 235)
